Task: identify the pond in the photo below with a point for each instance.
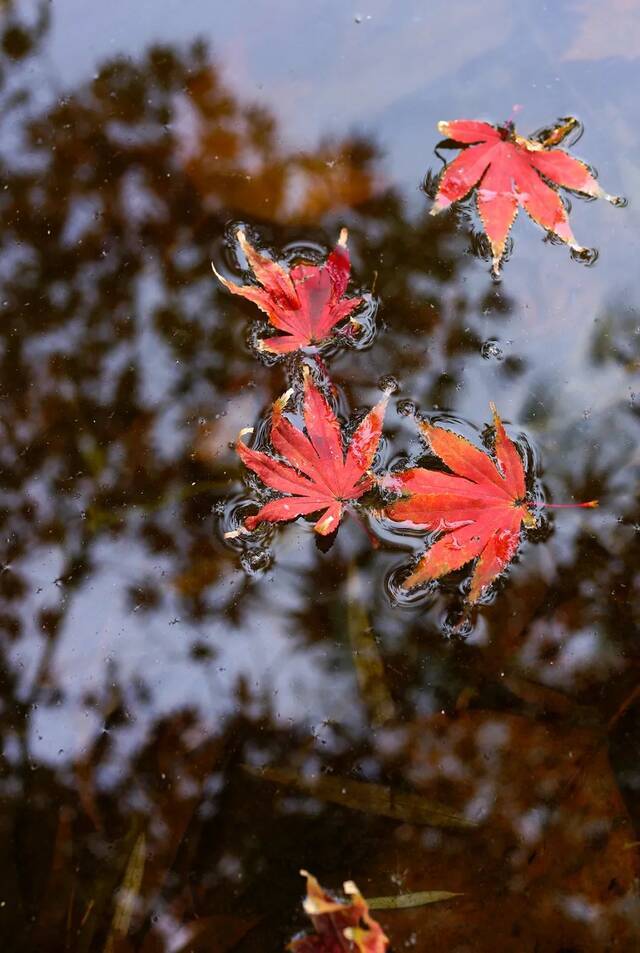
(189, 719)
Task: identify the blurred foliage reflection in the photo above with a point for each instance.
(141, 668)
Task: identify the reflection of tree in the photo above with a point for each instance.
(617, 338)
(116, 349)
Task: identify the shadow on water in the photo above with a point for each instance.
(143, 669)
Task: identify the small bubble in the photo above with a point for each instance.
(586, 413)
(406, 408)
(586, 256)
(256, 561)
(491, 350)
(457, 624)
(388, 384)
(357, 18)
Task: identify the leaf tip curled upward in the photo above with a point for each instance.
(234, 533)
(426, 429)
(281, 402)
(324, 525)
(497, 420)
(221, 278)
(244, 432)
(496, 261)
(343, 237)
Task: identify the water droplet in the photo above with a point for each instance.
(406, 408)
(357, 18)
(388, 384)
(586, 256)
(619, 201)
(256, 561)
(457, 624)
(491, 350)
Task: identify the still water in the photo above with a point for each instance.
(183, 717)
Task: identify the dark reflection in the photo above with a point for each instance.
(141, 669)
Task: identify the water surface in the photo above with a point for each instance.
(146, 660)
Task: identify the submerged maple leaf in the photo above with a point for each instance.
(304, 303)
(339, 927)
(479, 508)
(509, 171)
(316, 473)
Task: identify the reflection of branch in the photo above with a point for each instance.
(99, 517)
(622, 709)
(68, 578)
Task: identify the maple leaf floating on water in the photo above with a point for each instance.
(316, 473)
(509, 171)
(479, 508)
(340, 927)
(305, 303)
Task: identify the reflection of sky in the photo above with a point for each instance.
(107, 640)
(393, 70)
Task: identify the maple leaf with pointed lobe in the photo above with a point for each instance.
(340, 927)
(509, 171)
(315, 473)
(304, 303)
(478, 509)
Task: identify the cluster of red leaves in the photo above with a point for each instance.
(315, 472)
(305, 303)
(478, 509)
(339, 926)
(508, 171)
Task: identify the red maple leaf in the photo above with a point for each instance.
(509, 171)
(315, 472)
(339, 927)
(304, 303)
(479, 508)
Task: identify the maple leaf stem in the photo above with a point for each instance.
(569, 506)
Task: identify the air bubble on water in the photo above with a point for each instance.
(358, 18)
(491, 350)
(457, 624)
(406, 408)
(619, 201)
(256, 561)
(388, 384)
(586, 413)
(586, 256)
